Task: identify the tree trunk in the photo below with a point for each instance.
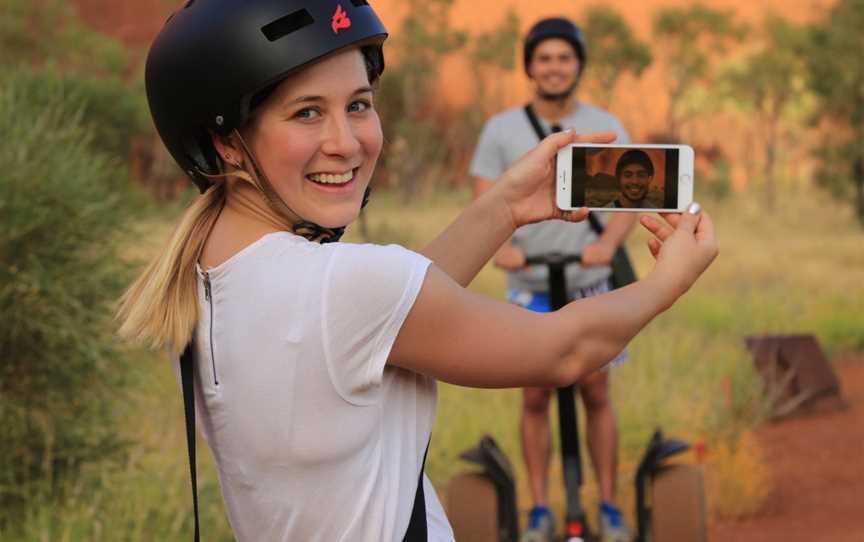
(770, 158)
(858, 179)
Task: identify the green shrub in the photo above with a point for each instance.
(39, 31)
(60, 211)
(113, 112)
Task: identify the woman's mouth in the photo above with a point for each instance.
(333, 178)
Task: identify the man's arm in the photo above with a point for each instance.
(615, 232)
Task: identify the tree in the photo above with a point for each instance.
(768, 83)
(690, 39)
(61, 208)
(490, 54)
(407, 93)
(836, 68)
(613, 50)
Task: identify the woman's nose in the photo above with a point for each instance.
(339, 137)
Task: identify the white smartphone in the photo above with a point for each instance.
(634, 178)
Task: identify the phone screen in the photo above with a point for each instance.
(641, 178)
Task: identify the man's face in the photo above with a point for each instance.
(634, 182)
(554, 67)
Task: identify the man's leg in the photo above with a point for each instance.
(601, 432)
(602, 435)
(536, 448)
(536, 441)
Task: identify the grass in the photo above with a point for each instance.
(793, 269)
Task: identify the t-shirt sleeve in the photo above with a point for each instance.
(369, 291)
(623, 137)
(488, 161)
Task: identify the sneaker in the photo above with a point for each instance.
(541, 526)
(612, 528)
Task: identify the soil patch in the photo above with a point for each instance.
(817, 464)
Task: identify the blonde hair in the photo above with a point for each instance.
(160, 309)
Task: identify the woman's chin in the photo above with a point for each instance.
(335, 218)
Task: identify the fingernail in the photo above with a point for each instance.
(694, 208)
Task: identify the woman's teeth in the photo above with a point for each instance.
(331, 178)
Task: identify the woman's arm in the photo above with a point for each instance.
(467, 339)
(525, 193)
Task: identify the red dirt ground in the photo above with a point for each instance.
(817, 464)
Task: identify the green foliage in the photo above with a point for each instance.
(407, 95)
(114, 113)
(613, 50)
(29, 34)
(690, 39)
(768, 83)
(837, 76)
(59, 272)
(716, 184)
(498, 47)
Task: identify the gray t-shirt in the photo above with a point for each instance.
(506, 137)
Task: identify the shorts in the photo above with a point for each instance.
(539, 302)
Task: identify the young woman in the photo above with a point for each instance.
(315, 364)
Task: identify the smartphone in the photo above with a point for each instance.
(634, 178)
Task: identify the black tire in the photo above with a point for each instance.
(472, 508)
(678, 505)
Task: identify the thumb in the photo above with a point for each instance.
(690, 218)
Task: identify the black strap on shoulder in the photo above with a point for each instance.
(417, 529)
(596, 225)
(535, 122)
(187, 370)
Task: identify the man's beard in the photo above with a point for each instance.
(557, 96)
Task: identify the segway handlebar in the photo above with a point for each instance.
(553, 258)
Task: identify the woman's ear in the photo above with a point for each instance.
(227, 149)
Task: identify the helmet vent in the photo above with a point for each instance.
(358, 3)
(288, 24)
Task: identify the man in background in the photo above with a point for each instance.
(555, 55)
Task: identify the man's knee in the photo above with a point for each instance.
(595, 391)
(535, 401)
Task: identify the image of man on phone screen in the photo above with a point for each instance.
(635, 173)
(555, 56)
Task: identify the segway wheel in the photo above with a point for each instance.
(472, 507)
(678, 505)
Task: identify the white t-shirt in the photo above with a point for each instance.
(315, 437)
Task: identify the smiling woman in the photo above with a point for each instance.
(313, 366)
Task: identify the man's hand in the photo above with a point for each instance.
(509, 258)
(598, 254)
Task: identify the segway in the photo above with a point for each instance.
(670, 503)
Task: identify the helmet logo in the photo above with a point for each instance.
(340, 20)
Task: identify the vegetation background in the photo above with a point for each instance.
(93, 438)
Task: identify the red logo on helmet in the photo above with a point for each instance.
(340, 20)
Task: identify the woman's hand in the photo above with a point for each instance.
(527, 188)
(684, 246)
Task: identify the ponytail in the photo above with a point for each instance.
(160, 309)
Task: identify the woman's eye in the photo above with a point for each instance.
(307, 114)
(359, 106)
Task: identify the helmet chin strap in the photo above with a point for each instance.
(304, 228)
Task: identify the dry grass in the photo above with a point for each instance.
(790, 270)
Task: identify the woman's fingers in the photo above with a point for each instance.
(659, 229)
(654, 246)
(555, 142)
(597, 137)
(705, 228)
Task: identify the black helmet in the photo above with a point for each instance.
(555, 27)
(213, 56)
